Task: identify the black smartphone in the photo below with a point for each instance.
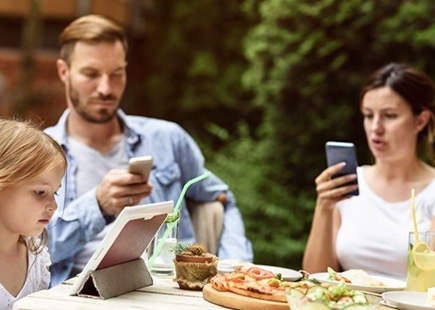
(141, 165)
(337, 152)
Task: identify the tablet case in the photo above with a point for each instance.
(122, 269)
(116, 280)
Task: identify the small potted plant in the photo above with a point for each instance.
(194, 253)
(194, 266)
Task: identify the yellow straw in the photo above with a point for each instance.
(414, 219)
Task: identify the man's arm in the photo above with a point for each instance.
(234, 243)
(73, 225)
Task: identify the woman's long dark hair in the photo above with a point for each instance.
(417, 89)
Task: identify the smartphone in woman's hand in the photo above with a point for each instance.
(337, 152)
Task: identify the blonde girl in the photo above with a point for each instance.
(31, 168)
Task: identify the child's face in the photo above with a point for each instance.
(27, 208)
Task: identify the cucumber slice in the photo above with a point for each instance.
(315, 305)
(296, 293)
(316, 289)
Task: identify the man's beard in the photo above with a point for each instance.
(103, 116)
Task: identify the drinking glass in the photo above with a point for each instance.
(421, 262)
(163, 263)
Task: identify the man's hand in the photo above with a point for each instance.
(119, 189)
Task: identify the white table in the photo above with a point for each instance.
(163, 294)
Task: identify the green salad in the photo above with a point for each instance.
(320, 297)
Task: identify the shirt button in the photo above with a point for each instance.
(131, 139)
(174, 176)
(96, 230)
(83, 241)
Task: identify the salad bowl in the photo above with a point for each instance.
(324, 297)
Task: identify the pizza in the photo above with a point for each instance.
(256, 283)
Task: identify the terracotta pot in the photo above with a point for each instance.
(193, 259)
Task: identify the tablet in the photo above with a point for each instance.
(130, 235)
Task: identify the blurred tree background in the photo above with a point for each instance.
(263, 84)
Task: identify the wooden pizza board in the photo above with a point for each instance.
(239, 302)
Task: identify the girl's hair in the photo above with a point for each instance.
(416, 88)
(91, 29)
(25, 153)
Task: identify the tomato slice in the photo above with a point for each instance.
(259, 274)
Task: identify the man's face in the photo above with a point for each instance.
(95, 80)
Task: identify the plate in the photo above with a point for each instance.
(162, 268)
(407, 300)
(230, 265)
(287, 274)
(391, 284)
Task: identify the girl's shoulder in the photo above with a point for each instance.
(38, 272)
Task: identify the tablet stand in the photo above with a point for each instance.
(116, 280)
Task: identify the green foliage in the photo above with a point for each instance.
(263, 84)
(195, 61)
(268, 207)
(308, 60)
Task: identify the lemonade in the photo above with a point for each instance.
(421, 263)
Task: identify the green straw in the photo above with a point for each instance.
(176, 216)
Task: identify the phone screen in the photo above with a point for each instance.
(337, 152)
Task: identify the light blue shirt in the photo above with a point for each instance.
(177, 159)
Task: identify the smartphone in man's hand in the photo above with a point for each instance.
(141, 165)
(337, 152)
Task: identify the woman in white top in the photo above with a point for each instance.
(31, 168)
(370, 231)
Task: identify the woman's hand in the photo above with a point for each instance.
(329, 190)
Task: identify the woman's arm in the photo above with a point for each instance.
(320, 249)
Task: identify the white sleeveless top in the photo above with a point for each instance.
(373, 235)
(38, 278)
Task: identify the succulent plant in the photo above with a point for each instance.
(195, 250)
(180, 247)
(188, 249)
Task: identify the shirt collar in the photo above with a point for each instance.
(132, 137)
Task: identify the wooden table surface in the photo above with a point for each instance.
(163, 294)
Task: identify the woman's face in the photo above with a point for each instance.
(390, 126)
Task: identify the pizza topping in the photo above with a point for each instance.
(273, 282)
(259, 274)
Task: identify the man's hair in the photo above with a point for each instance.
(91, 29)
